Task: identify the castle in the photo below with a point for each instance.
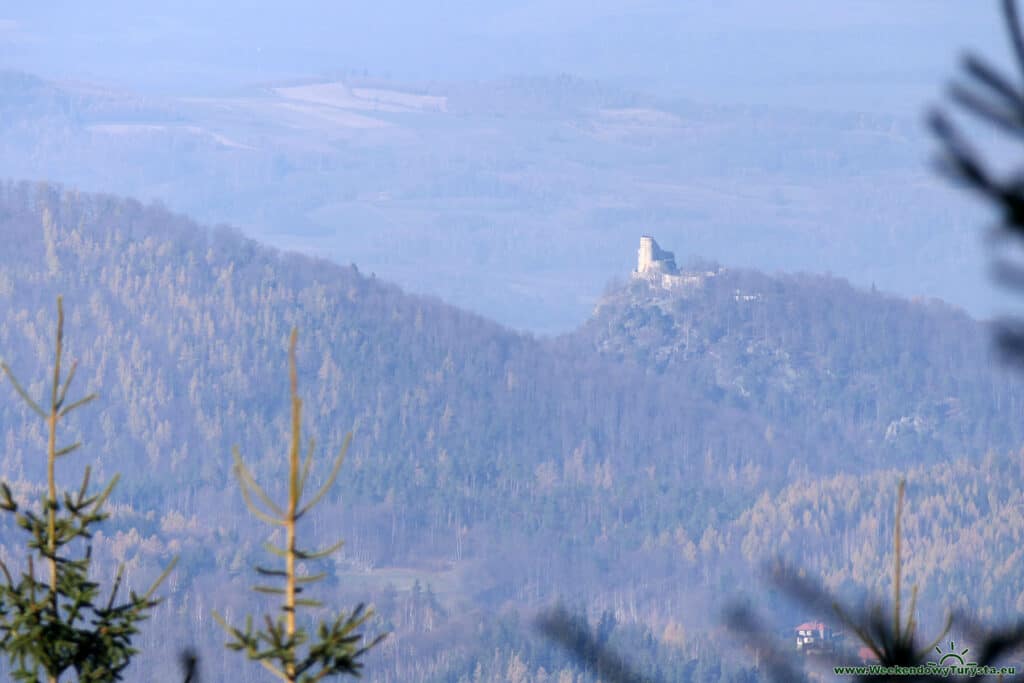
(652, 258)
(658, 266)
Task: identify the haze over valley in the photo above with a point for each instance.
(539, 177)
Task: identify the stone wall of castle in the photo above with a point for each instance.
(658, 265)
(652, 258)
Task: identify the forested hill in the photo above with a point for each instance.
(183, 325)
(887, 380)
(619, 465)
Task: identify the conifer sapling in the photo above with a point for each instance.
(61, 623)
(285, 649)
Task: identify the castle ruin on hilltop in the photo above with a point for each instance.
(651, 258)
(658, 266)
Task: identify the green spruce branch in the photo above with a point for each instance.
(62, 623)
(894, 643)
(336, 647)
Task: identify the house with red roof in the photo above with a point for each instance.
(816, 637)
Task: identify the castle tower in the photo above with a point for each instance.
(653, 260)
(645, 255)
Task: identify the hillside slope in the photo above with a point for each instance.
(874, 375)
(616, 465)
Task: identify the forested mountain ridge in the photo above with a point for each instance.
(616, 465)
(475, 448)
(962, 529)
(880, 376)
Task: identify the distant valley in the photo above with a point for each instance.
(515, 198)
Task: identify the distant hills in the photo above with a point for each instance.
(538, 185)
(643, 464)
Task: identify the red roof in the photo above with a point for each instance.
(813, 626)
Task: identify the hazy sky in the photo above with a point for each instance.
(884, 55)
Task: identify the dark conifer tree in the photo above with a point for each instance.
(997, 100)
(60, 622)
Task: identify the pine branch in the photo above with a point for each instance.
(270, 572)
(118, 577)
(78, 404)
(251, 504)
(320, 554)
(331, 478)
(1013, 26)
(312, 578)
(84, 488)
(101, 499)
(274, 670)
(997, 100)
(306, 467)
(274, 550)
(249, 480)
(160, 579)
(67, 449)
(335, 651)
(21, 391)
(897, 572)
(67, 383)
(62, 624)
